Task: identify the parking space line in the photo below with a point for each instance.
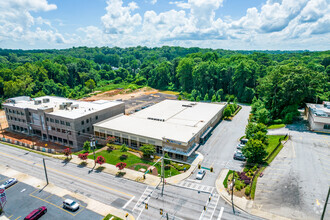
(10, 216)
(48, 196)
(31, 194)
(17, 218)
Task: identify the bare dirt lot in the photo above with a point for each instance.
(134, 101)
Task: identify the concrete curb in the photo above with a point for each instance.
(242, 204)
(92, 205)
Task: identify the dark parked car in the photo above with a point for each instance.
(36, 214)
(239, 156)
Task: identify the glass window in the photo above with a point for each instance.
(83, 131)
(326, 126)
(87, 129)
(96, 117)
(6, 110)
(97, 134)
(47, 119)
(62, 122)
(58, 130)
(87, 120)
(70, 143)
(67, 123)
(57, 121)
(133, 143)
(82, 122)
(63, 131)
(78, 132)
(55, 138)
(125, 141)
(60, 139)
(10, 110)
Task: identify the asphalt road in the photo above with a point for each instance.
(179, 202)
(297, 182)
(23, 199)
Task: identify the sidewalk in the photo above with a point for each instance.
(242, 203)
(93, 205)
(136, 175)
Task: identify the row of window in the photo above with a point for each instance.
(89, 120)
(326, 126)
(14, 111)
(58, 121)
(60, 140)
(18, 128)
(61, 130)
(15, 119)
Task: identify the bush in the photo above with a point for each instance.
(123, 157)
(239, 185)
(247, 190)
(254, 169)
(245, 170)
(278, 121)
(123, 148)
(180, 168)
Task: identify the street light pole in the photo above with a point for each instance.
(163, 173)
(93, 147)
(232, 192)
(43, 160)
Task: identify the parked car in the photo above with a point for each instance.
(9, 183)
(239, 156)
(244, 141)
(200, 174)
(70, 204)
(36, 214)
(240, 146)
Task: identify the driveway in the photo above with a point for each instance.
(296, 183)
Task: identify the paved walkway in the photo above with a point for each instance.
(93, 205)
(242, 203)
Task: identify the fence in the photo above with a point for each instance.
(34, 147)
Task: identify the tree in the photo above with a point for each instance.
(100, 160)
(167, 161)
(227, 112)
(111, 139)
(253, 128)
(214, 98)
(121, 165)
(148, 150)
(90, 84)
(206, 97)
(262, 116)
(198, 98)
(261, 136)
(124, 148)
(86, 146)
(68, 152)
(83, 156)
(254, 151)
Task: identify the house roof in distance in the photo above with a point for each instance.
(172, 119)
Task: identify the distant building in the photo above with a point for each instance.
(319, 116)
(59, 120)
(177, 127)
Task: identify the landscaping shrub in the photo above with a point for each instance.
(123, 157)
(247, 190)
(278, 121)
(254, 169)
(180, 168)
(123, 148)
(239, 185)
(245, 170)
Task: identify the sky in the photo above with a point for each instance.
(217, 24)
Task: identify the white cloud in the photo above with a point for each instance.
(17, 23)
(153, 2)
(118, 19)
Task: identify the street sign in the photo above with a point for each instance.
(205, 168)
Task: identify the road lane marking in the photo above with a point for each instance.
(17, 218)
(22, 190)
(220, 214)
(55, 170)
(10, 216)
(48, 196)
(317, 202)
(128, 202)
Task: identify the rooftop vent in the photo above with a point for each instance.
(37, 102)
(187, 106)
(156, 119)
(74, 106)
(45, 100)
(62, 106)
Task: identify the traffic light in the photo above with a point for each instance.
(210, 199)
(204, 208)
(211, 169)
(199, 166)
(146, 205)
(126, 215)
(161, 211)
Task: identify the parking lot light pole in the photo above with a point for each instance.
(93, 147)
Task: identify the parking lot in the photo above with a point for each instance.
(23, 199)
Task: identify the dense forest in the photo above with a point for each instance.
(276, 82)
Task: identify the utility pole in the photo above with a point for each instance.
(163, 173)
(325, 205)
(43, 160)
(232, 192)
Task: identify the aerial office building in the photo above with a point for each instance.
(59, 120)
(177, 127)
(319, 116)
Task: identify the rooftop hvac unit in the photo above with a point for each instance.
(68, 104)
(75, 106)
(62, 106)
(45, 100)
(37, 102)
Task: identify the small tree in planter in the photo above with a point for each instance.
(111, 139)
(86, 146)
(83, 157)
(67, 153)
(121, 166)
(148, 150)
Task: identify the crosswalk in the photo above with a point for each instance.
(140, 205)
(210, 207)
(195, 186)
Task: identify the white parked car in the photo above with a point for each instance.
(200, 174)
(70, 204)
(9, 183)
(240, 146)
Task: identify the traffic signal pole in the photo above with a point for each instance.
(163, 172)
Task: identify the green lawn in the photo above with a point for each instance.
(113, 157)
(273, 141)
(276, 126)
(109, 216)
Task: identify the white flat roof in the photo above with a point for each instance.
(83, 107)
(181, 122)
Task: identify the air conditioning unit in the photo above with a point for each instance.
(37, 102)
(62, 106)
(45, 100)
